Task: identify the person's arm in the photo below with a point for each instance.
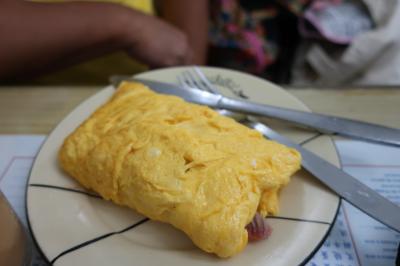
(191, 17)
(37, 37)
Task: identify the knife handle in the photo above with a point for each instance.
(323, 123)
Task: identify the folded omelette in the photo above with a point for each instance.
(179, 163)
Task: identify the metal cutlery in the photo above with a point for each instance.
(346, 186)
(323, 123)
(196, 88)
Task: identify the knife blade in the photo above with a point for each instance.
(320, 122)
(346, 186)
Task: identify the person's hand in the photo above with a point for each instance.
(34, 46)
(155, 42)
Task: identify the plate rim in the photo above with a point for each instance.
(87, 99)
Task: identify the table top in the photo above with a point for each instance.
(37, 110)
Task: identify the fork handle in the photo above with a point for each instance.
(323, 123)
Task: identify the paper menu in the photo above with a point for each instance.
(16, 157)
(379, 167)
(355, 239)
(366, 241)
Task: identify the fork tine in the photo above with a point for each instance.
(181, 81)
(195, 78)
(197, 81)
(204, 80)
(194, 81)
(187, 77)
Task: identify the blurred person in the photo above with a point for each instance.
(255, 36)
(42, 37)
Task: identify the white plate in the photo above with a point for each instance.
(74, 228)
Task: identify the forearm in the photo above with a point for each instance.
(38, 36)
(192, 18)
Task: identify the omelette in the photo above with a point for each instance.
(179, 163)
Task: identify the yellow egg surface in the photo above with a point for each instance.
(179, 163)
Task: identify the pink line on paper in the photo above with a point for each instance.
(351, 235)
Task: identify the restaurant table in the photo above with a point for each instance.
(36, 110)
(29, 110)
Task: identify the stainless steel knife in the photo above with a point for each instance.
(323, 123)
(346, 186)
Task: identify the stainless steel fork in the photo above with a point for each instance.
(207, 94)
(323, 123)
(195, 78)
